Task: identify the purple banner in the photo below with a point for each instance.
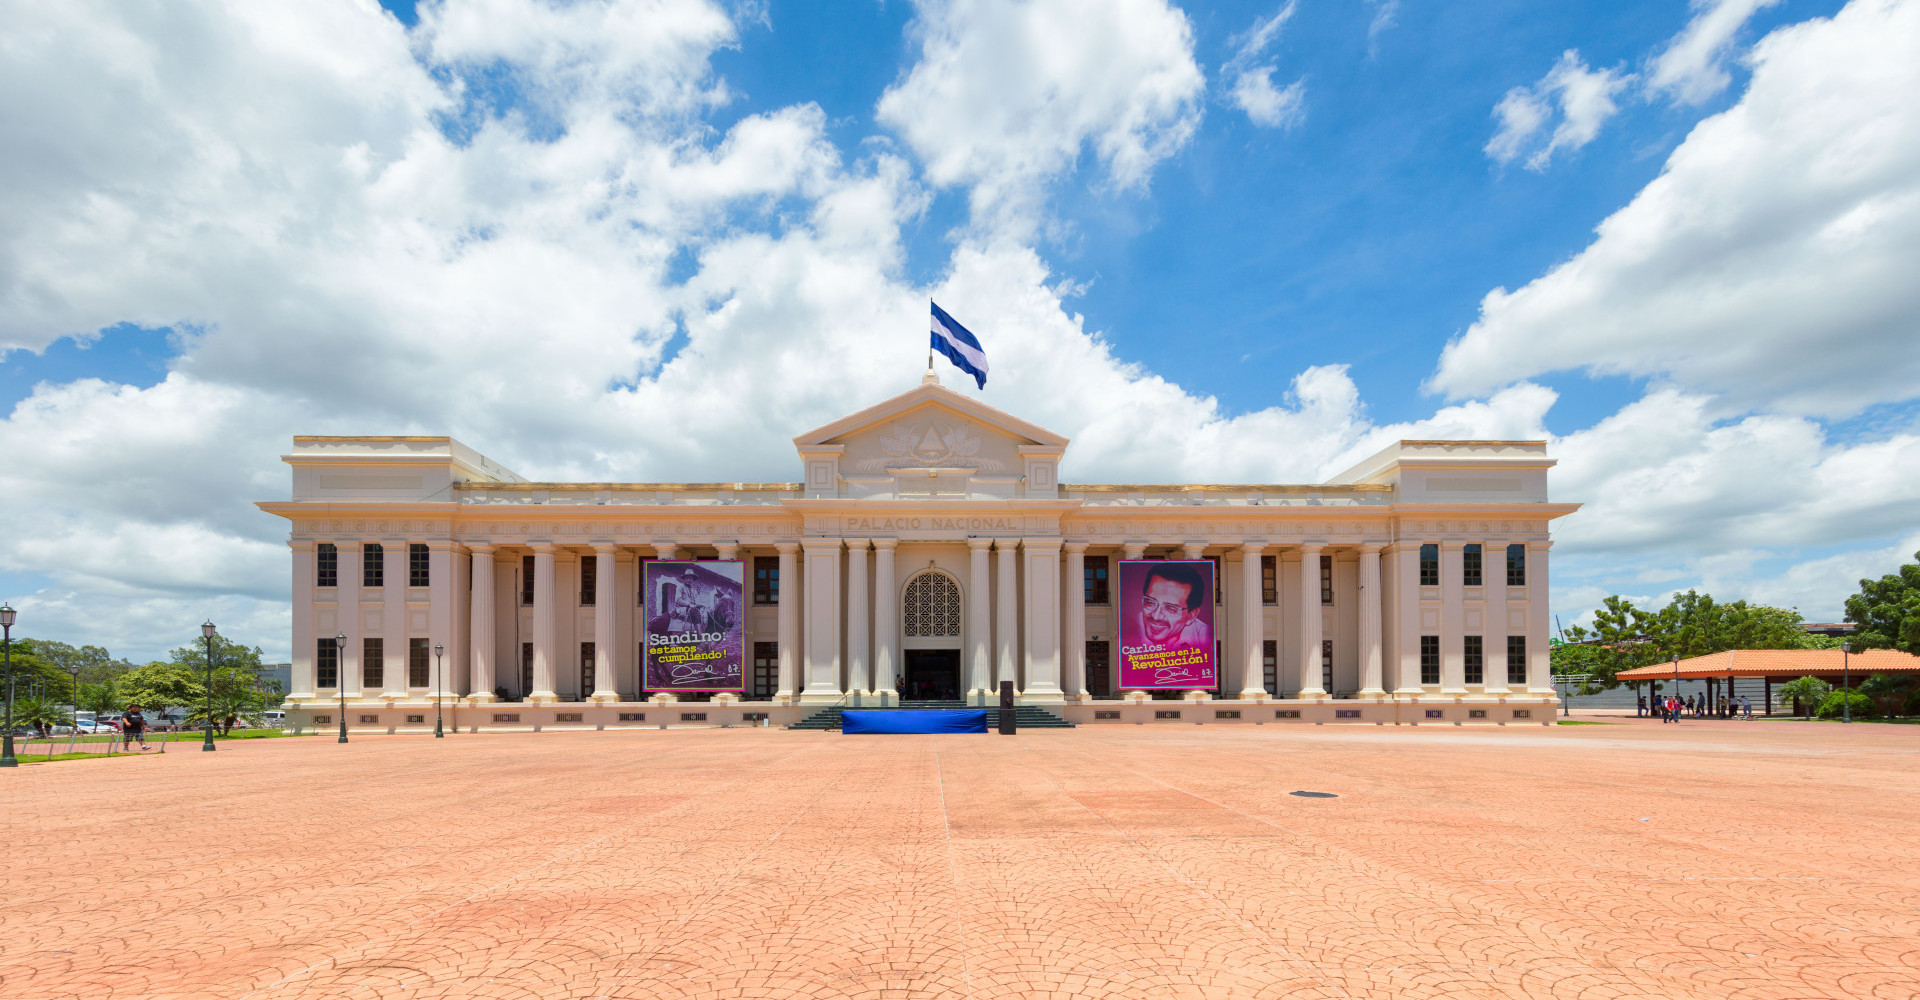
(1166, 624)
(696, 629)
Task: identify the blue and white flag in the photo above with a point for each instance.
(959, 345)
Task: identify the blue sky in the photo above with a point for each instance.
(548, 227)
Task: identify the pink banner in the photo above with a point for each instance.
(1166, 624)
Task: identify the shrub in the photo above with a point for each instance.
(1863, 707)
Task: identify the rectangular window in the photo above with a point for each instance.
(373, 665)
(640, 587)
(1474, 655)
(1270, 580)
(1099, 668)
(526, 670)
(419, 664)
(326, 664)
(1429, 659)
(326, 565)
(373, 565)
(1430, 565)
(419, 563)
(1270, 665)
(1326, 579)
(766, 661)
(526, 581)
(1095, 580)
(586, 670)
(1326, 665)
(1470, 575)
(1516, 659)
(1516, 565)
(766, 580)
(589, 580)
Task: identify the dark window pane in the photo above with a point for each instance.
(326, 664)
(1516, 565)
(373, 565)
(589, 581)
(1270, 663)
(526, 581)
(766, 580)
(1270, 580)
(1516, 659)
(373, 665)
(1429, 565)
(418, 562)
(419, 664)
(1470, 566)
(1429, 659)
(1094, 575)
(1326, 665)
(1326, 579)
(1474, 657)
(586, 669)
(326, 565)
(766, 663)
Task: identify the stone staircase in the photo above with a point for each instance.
(1024, 716)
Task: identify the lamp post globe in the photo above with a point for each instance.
(207, 631)
(1846, 682)
(438, 733)
(6, 622)
(340, 679)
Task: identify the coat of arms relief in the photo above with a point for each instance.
(929, 446)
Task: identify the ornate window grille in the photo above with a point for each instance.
(932, 606)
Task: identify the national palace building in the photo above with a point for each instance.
(929, 551)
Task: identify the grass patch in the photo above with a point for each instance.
(78, 755)
(1582, 722)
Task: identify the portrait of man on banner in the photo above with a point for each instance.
(696, 628)
(1166, 624)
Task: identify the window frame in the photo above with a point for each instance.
(326, 658)
(1096, 581)
(419, 565)
(1269, 581)
(1473, 659)
(1516, 659)
(373, 663)
(1429, 660)
(589, 581)
(526, 581)
(588, 653)
(1473, 565)
(419, 664)
(373, 565)
(1326, 581)
(326, 565)
(1429, 564)
(766, 581)
(1516, 565)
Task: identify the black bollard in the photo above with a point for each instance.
(1006, 708)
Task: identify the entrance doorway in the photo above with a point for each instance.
(932, 675)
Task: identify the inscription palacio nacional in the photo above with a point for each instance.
(928, 553)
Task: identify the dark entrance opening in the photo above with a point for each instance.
(932, 675)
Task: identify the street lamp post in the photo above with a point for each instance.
(1676, 682)
(340, 679)
(438, 684)
(1846, 682)
(208, 631)
(6, 623)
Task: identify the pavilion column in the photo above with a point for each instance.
(544, 614)
(1073, 634)
(858, 601)
(348, 620)
(440, 590)
(305, 572)
(1539, 655)
(821, 663)
(1310, 667)
(1006, 613)
(606, 615)
(788, 620)
(1253, 624)
(979, 622)
(480, 642)
(886, 622)
(1404, 564)
(1370, 596)
(393, 618)
(1453, 611)
(1043, 622)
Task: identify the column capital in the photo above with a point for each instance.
(885, 544)
(1454, 544)
(858, 544)
(544, 548)
(605, 548)
(1540, 543)
(1313, 547)
(979, 544)
(786, 548)
(1041, 544)
(1193, 550)
(1253, 548)
(1006, 544)
(301, 544)
(1372, 548)
(1074, 547)
(1132, 549)
(481, 548)
(664, 549)
(822, 544)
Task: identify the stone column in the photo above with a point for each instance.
(821, 663)
(886, 623)
(1131, 550)
(544, 613)
(788, 619)
(440, 581)
(1043, 622)
(729, 551)
(1370, 594)
(1194, 550)
(393, 619)
(1253, 624)
(1073, 634)
(979, 622)
(1405, 564)
(305, 570)
(858, 684)
(606, 615)
(481, 644)
(1006, 613)
(1310, 667)
(349, 621)
(1539, 656)
(665, 550)
(1453, 611)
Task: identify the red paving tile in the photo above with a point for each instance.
(1711, 859)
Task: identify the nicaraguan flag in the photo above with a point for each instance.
(959, 345)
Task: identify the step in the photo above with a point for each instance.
(1025, 717)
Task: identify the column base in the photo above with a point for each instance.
(1371, 694)
(604, 697)
(482, 698)
(1255, 695)
(886, 698)
(542, 698)
(821, 698)
(1041, 696)
(1306, 695)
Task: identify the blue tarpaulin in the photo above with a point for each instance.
(924, 720)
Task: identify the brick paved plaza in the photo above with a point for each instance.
(1706, 860)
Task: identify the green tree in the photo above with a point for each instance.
(1888, 611)
(93, 663)
(236, 679)
(160, 685)
(41, 713)
(100, 699)
(1692, 624)
(1890, 691)
(1861, 706)
(30, 673)
(1808, 691)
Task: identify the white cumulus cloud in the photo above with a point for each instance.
(1576, 100)
(1253, 90)
(1692, 68)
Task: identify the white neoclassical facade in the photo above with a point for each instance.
(929, 552)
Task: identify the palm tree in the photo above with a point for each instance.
(1890, 691)
(42, 713)
(1808, 691)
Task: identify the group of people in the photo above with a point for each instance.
(1672, 708)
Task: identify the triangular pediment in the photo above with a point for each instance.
(928, 402)
(931, 427)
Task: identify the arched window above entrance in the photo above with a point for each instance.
(932, 606)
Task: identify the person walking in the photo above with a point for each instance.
(1746, 708)
(133, 726)
(1640, 707)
